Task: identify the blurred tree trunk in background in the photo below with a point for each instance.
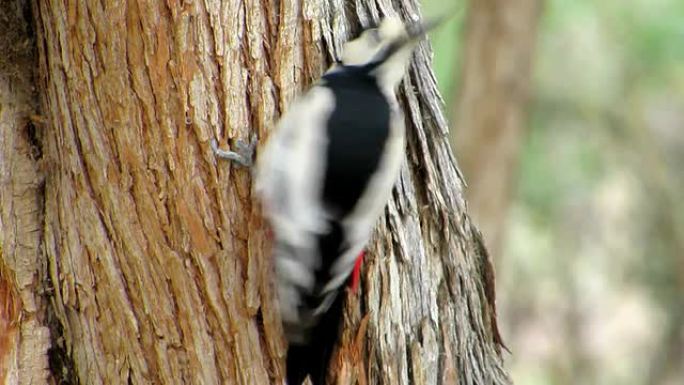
(490, 108)
(147, 259)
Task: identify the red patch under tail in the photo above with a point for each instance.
(356, 273)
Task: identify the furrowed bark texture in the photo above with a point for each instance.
(429, 292)
(156, 251)
(24, 337)
(490, 107)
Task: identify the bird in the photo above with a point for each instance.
(324, 177)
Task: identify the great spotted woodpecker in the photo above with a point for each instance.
(324, 178)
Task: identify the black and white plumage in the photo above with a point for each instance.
(324, 178)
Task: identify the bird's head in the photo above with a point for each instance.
(386, 50)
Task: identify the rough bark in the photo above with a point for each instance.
(157, 259)
(24, 338)
(490, 106)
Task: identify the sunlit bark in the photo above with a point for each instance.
(157, 259)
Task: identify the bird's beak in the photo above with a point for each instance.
(418, 30)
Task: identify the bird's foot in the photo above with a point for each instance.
(244, 154)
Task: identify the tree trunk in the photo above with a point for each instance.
(24, 338)
(490, 108)
(157, 258)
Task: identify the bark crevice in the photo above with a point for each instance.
(155, 257)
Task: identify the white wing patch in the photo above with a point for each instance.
(289, 181)
(290, 174)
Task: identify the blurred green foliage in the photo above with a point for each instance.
(591, 281)
(446, 42)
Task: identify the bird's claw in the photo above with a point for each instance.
(244, 154)
(247, 148)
